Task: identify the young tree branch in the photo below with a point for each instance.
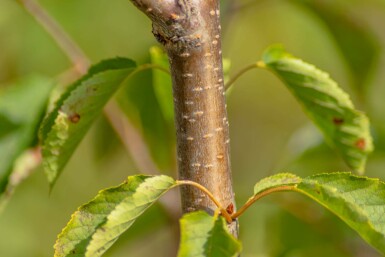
(190, 32)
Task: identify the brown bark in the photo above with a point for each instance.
(190, 32)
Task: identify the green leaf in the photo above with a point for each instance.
(74, 113)
(205, 236)
(327, 105)
(22, 106)
(358, 201)
(162, 83)
(95, 226)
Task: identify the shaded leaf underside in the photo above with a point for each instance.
(64, 128)
(327, 105)
(358, 201)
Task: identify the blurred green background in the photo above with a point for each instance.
(269, 131)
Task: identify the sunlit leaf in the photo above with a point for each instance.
(74, 113)
(205, 236)
(358, 201)
(21, 108)
(327, 105)
(98, 224)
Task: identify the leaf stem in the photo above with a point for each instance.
(148, 66)
(143, 67)
(209, 194)
(62, 39)
(259, 196)
(258, 64)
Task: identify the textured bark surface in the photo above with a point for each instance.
(190, 33)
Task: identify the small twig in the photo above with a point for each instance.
(259, 196)
(148, 66)
(135, 145)
(210, 195)
(69, 47)
(131, 139)
(259, 64)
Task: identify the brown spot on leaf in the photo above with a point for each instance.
(91, 90)
(338, 121)
(74, 118)
(360, 144)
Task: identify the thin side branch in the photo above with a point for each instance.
(149, 66)
(259, 64)
(210, 195)
(259, 196)
(131, 139)
(69, 47)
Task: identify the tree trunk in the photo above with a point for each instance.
(190, 32)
